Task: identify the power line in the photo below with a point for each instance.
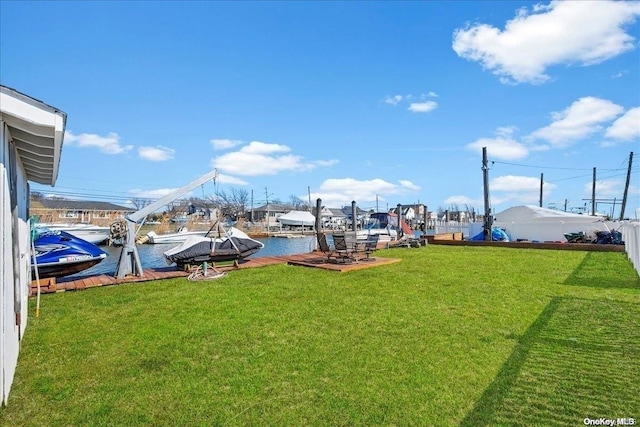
(589, 176)
(551, 167)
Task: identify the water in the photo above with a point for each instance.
(152, 256)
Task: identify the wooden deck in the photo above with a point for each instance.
(313, 259)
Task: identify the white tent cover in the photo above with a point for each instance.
(538, 224)
(297, 218)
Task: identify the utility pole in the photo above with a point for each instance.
(252, 206)
(626, 187)
(488, 221)
(541, 185)
(593, 194)
(266, 196)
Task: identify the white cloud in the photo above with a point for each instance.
(518, 189)
(336, 192)
(626, 127)
(261, 158)
(326, 163)
(500, 147)
(580, 120)
(257, 147)
(109, 144)
(231, 180)
(151, 194)
(224, 144)
(422, 107)
(157, 153)
(462, 201)
(417, 103)
(408, 185)
(563, 32)
(604, 188)
(393, 100)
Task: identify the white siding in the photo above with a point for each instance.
(36, 144)
(10, 332)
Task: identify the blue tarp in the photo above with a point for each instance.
(497, 234)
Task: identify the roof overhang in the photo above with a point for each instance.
(37, 130)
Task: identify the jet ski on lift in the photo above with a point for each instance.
(231, 245)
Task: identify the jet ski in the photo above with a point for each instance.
(233, 245)
(58, 254)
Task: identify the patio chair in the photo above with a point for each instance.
(370, 245)
(343, 250)
(325, 247)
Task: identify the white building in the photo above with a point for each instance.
(31, 134)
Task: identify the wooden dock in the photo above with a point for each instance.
(313, 259)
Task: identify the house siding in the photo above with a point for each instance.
(14, 294)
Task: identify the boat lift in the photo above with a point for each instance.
(129, 263)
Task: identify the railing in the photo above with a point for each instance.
(631, 236)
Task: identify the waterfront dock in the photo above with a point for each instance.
(312, 259)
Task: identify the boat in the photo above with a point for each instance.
(178, 237)
(297, 219)
(58, 254)
(232, 245)
(91, 233)
(385, 226)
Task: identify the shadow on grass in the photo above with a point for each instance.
(601, 270)
(580, 359)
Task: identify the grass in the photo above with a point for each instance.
(450, 336)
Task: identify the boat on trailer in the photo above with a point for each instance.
(58, 254)
(231, 245)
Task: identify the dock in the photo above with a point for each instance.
(312, 259)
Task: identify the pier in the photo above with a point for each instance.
(312, 259)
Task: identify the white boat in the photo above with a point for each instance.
(297, 219)
(385, 235)
(180, 236)
(91, 233)
(384, 225)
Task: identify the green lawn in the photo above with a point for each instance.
(449, 336)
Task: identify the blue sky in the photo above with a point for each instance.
(377, 102)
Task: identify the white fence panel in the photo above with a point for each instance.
(631, 236)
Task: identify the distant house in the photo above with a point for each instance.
(333, 218)
(72, 211)
(408, 213)
(201, 211)
(31, 133)
(362, 216)
(271, 211)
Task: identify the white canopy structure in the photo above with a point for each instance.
(538, 224)
(297, 218)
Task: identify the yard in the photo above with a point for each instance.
(450, 336)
